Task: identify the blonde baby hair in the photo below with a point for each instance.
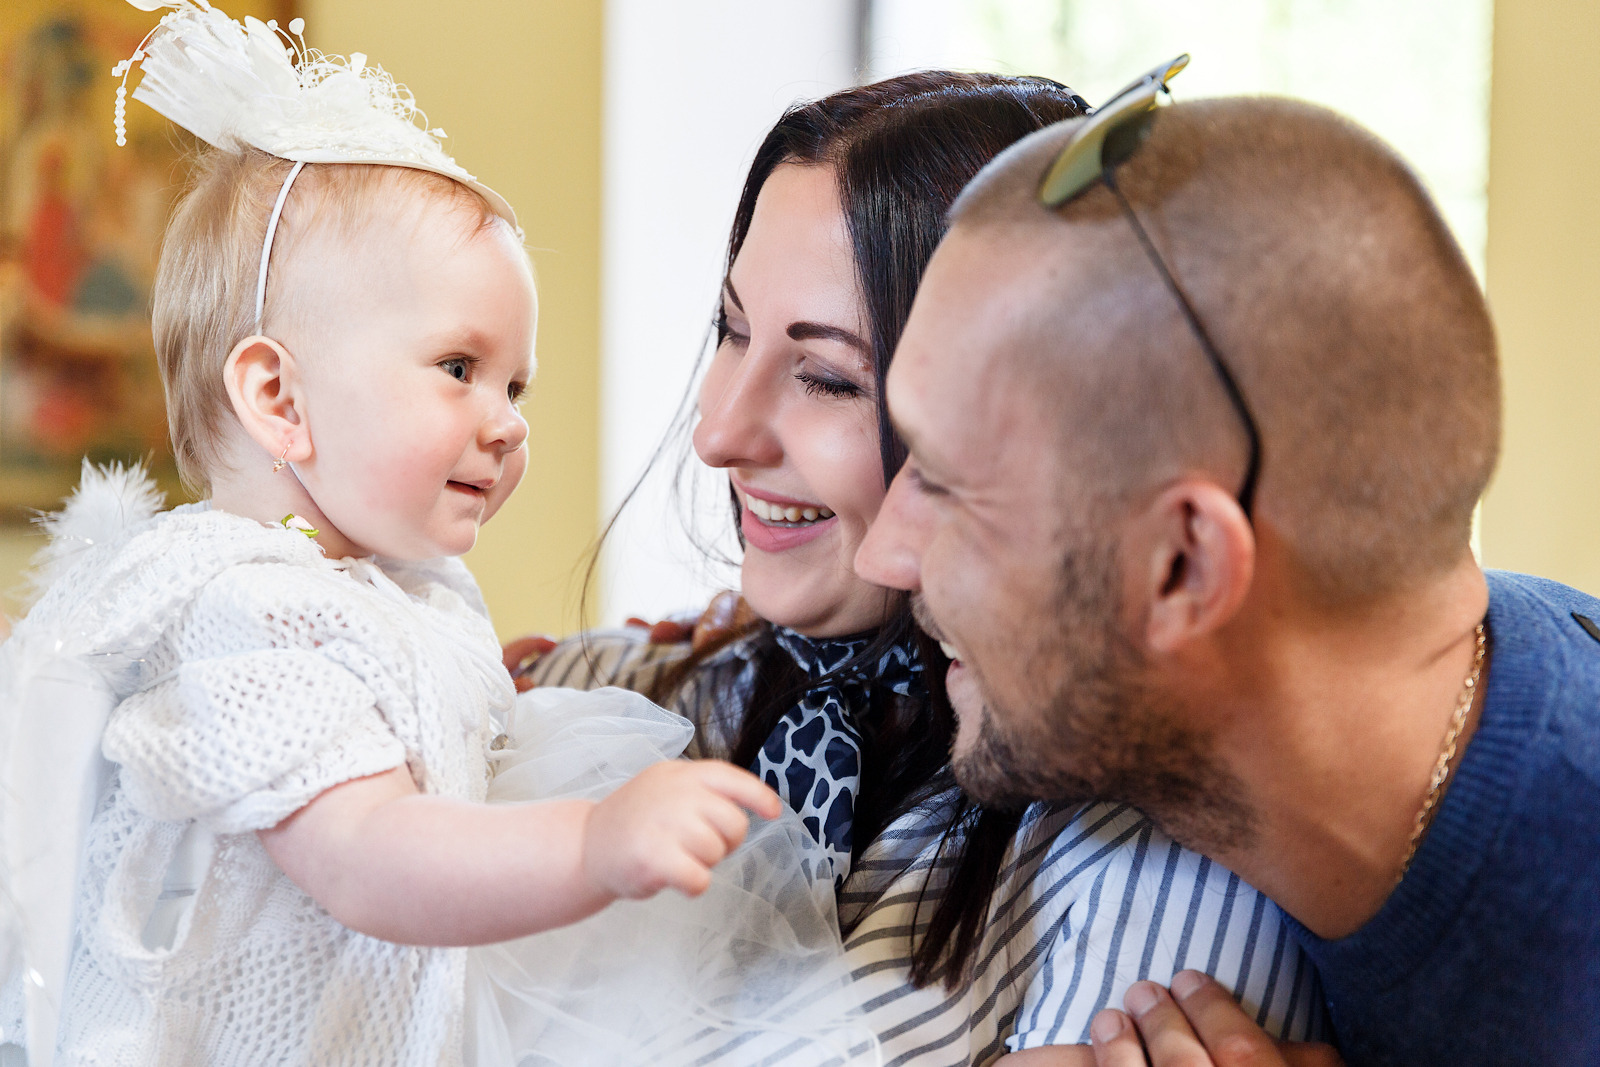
(205, 287)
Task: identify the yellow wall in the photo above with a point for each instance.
(516, 83)
(1542, 513)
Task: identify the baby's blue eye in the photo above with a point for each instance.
(459, 369)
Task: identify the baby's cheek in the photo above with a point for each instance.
(516, 465)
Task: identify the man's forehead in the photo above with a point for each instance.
(960, 379)
(992, 298)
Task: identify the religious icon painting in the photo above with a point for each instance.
(80, 230)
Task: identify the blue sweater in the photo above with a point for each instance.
(1488, 952)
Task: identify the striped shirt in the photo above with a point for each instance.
(1089, 901)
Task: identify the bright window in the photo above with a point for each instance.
(1415, 72)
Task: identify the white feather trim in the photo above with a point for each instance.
(108, 501)
(230, 83)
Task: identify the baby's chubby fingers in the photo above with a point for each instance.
(739, 786)
(706, 841)
(669, 825)
(727, 819)
(681, 870)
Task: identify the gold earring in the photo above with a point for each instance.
(282, 461)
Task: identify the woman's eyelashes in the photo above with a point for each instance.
(826, 384)
(818, 377)
(727, 332)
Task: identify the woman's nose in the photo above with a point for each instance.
(738, 414)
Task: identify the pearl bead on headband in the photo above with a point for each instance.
(233, 84)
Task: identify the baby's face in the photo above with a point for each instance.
(416, 344)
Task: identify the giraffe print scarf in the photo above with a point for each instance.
(812, 758)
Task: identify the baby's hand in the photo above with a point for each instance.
(670, 825)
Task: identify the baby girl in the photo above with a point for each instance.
(291, 683)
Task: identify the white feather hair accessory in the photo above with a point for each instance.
(230, 83)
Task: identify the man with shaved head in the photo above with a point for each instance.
(1193, 461)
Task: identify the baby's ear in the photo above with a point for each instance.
(264, 385)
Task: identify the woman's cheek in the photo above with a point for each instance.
(856, 481)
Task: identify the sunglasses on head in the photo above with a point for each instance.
(1106, 139)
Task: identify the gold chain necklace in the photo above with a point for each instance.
(1441, 768)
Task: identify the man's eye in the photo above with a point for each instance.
(920, 482)
(459, 368)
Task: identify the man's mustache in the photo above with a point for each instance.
(924, 617)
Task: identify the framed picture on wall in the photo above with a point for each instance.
(80, 229)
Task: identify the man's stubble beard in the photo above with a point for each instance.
(1103, 732)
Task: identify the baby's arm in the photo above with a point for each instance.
(389, 862)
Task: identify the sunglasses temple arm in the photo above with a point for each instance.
(1247, 491)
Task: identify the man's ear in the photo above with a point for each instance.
(1199, 558)
(265, 387)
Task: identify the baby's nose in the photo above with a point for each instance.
(506, 430)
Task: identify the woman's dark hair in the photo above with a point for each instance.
(901, 150)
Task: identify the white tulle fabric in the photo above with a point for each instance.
(750, 972)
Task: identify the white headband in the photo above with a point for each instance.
(266, 244)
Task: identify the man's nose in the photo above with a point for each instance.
(891, 552)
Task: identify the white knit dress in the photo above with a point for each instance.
(253, 675)
(247, 674)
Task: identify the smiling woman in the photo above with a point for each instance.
(789, 407)
(977, 932)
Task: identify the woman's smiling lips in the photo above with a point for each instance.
(774, 523)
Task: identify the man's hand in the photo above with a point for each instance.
(1197, 1024)
(670, 825)
(725, 616)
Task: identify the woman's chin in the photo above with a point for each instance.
(790, 597)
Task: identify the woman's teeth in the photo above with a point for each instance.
(777, 513)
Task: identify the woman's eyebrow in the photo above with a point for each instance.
(808, 331)
(817, 331)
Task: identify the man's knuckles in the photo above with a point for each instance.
(1244, 1050)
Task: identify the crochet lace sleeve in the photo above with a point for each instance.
(275, 698)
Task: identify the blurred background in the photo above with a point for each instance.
(620, 130)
